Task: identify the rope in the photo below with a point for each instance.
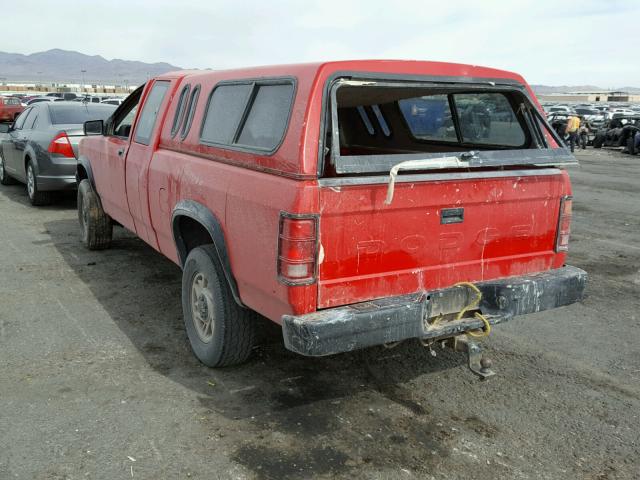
(487, 326)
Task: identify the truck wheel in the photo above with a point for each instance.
(36, 197)
(5, 179)
(220, 331)
(96, 228)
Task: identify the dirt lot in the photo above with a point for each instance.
(97, 379)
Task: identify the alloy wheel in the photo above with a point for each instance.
(31, 182)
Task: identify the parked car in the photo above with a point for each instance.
(633, 143)
(617, 131)
(277, 189)
(88, 99)
(44, 99)
(68, 96)
(40, 148)
(113, 101)
(10, 108)
(559, 108)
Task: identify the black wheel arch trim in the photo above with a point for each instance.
(201, 214)
(86, 164)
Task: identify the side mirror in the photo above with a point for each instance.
(6, 127)
(94, 127)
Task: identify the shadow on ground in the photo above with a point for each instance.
(276, 390)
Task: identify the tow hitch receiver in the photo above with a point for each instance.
(478, 363)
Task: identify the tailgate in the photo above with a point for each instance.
(440, 229)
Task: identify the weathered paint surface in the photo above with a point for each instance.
(368, 252)
(372, 250)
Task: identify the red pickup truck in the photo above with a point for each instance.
(354, 203)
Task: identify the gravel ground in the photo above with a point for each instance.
(97, 379)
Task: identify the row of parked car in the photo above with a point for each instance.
(278, 191)
(617, 127)
(12, 105)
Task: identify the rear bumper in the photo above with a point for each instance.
(392, 319)
(56, 173)
(51, 182)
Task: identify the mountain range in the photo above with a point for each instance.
(547, 89)
(64, 66)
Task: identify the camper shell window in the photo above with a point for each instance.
(383, 123)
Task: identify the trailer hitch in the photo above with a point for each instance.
(477, 362)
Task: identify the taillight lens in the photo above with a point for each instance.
(297, 249)
(564, 224)
(61, 146)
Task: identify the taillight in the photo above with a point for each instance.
(61, 145)
(297, 249)
(564, 224)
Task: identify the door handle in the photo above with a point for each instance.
(121, 152)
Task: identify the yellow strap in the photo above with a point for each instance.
(487, 326)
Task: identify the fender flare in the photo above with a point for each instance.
(86, 164)
(201, 214)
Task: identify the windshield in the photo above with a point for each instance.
(78, 113)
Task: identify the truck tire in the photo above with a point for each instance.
(36, 197)
(221, 332)
(96, 228)
(5, 179)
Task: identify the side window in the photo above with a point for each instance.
(11, 101)
(123, 127)
(22, 118)
(224, 112)
(248, 115)
(31, 121)
(149, 114)
(267, 118)
(488, 118)
(182, 107)
(193, 101)
(429, 118)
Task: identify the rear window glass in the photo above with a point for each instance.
(224, 112)
(484, 118)
(267, 119)
(429, 118)
(78, 113)
(487, 118)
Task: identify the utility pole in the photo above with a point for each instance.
(83, 71)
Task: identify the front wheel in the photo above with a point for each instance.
(221, 332)
(96, 228)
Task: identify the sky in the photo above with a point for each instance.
(552, 42)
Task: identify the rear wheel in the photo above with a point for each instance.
(96, 228)
(5, 179)
(36, 197)
(221, 332)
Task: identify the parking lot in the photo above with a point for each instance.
(98, 380)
